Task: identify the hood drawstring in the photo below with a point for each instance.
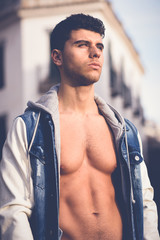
(29, 148)
(126, 141)
(34, 133)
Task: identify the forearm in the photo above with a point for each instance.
(149, 207)
(14, 223)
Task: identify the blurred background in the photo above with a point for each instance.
(130, 77)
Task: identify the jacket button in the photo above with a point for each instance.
(137, 158)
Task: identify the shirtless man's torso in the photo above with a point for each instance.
(88, 209)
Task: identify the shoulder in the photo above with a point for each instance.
(16, 139)
(30, 118)
(131, 127)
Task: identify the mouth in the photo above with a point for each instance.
(95, 65)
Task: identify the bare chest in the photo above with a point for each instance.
(86, 142)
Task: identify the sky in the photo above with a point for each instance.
(141, 21)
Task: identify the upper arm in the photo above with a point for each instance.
(16, 198)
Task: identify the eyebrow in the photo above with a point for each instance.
(87, 42)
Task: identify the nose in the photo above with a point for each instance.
(94, 52)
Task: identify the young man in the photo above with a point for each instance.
(72, 167)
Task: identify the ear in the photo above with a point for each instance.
(57, 57)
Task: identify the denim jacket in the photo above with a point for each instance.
(44, 220)
(131, 181)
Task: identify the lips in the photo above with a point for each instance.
(95, 65)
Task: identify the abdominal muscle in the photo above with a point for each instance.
(88, 209)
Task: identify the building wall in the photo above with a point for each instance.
(11, 94)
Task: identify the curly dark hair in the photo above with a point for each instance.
(61, 32)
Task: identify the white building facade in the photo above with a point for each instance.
(25, 63)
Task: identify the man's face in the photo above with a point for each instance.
(82, 58)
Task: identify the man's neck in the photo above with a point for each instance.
(79, 100)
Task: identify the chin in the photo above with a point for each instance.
(84, 82)
(87, 80)
(92, 81)
(84, 79)
(91, 78)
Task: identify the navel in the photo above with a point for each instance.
(96, 214)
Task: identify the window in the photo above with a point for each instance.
(3, 131)
(115, 90)
(127, 96)
(1, 66)
(115, 78)
(137, 108)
